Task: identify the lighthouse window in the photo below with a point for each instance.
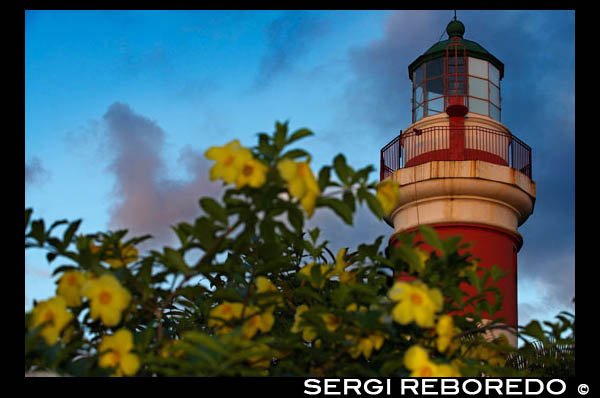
(478, 88)
(478, 68)
(435, 106)
(478, 106)
(418, 78)
(484, 88)
(494, 75)
(435, 68)
(494, 95)
(494, 112)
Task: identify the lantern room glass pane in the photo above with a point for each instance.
(494, 113)
(418, 114)
(418, 78)
(418, 95)
(435, 88)
(478, 87)
(494, 75)
(494, 94)
(478, 67)
(435, 106)
(478, 106)
(434, 68)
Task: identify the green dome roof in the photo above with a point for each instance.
(455, 29)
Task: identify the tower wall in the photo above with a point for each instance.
(481, 201)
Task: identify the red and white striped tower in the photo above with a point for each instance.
(460, 169)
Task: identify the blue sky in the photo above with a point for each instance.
(121, 105)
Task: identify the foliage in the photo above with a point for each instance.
(250, 291)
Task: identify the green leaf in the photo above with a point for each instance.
(298, 134)
(50, 256)
(142, 339)
(56, 224)
(349, 200)
(295, 153)
(174, 259)
(64, 268)
(474, 280)
(534, 329)
(431, 237)
(280, 134)
(296, 218)
(214, 209)
(38, 231)
(497, 273)
(70, 232)
(341, 168)
(324, 176)
(339, 207)
(314, 234)
(372, 202)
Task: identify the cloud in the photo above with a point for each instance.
(289, 38)
(35, 174)
(380, 91)
(147, 200)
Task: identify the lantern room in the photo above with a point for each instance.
(456, 71)
(456, 110)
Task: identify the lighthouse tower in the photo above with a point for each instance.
(461, 170)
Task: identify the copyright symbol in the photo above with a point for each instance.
(583, 389)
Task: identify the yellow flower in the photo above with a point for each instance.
(308, 332)
(301, 183)
(446, 332)
(264, 285)
(416, 359)
(416, 302)
(55, 311)
(447, 371)
(365, 345)
(340, 268)
(115, 352)
(355, 307)
(258, 359)
(325, 274)
(170, 349)
(423, 257)
(69, 287)
(388, 193)
(257, 321)
(492, 356)
(253, 173)
(225, 311)
(331, 322)
(107, 298)
(230, 159)
(128, 254)
(228, 311)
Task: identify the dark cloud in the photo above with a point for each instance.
(379, 94)
(538, 106)
(289, 38)
(35, 173)
(148, 201)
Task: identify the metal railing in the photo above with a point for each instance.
(419, 146)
